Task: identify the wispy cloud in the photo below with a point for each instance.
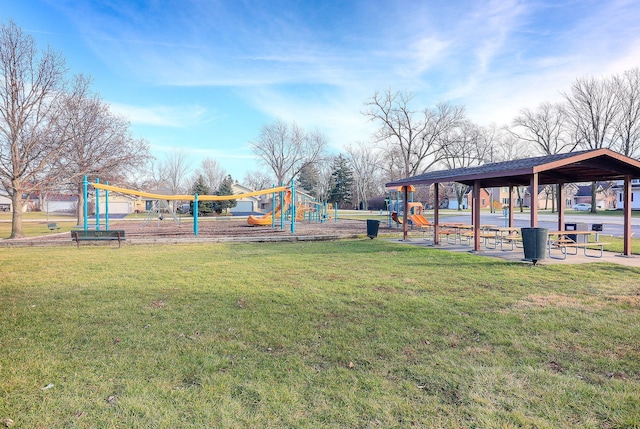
(164, 116)
(317, 66)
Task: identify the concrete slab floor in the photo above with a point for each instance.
(517, 255)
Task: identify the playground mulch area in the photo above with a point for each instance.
(211, 229)
(238, 229)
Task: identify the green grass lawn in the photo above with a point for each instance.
(362, 333)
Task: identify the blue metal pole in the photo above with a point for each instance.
(293, 208)
(106, 208)
(85, 202)
(97, 207)
(195, 215)
(273, 208)
(281, 207)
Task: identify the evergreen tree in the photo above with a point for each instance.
(308, 179)
(225, 189)
(341, 181)
(205, 208)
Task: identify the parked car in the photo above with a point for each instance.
(582, 207)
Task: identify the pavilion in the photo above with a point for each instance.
(575, 167)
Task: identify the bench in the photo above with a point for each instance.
(93, 235)
(53, 226)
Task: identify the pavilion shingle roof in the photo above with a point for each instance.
(583, 166)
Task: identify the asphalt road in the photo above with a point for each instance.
(612, 225)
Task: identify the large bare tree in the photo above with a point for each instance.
(99, 143)
(31, 86)
(627, 122)
(466, 145)
(417, 137)
(592, 107)
(547, 128)
(287, 148)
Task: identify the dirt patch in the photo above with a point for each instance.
(558, 300)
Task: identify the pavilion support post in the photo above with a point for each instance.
(405, 217)
(511, 206)
(627, 215)
(562, 196)
(475, 203)
(534, 199)
(436, 213)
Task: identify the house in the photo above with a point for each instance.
(546, 196)
(5, 204)
(59, 203)
(574, 193)
(605, 195)
(119, 204)
(245, 205)
(618, 191)
(485, 199)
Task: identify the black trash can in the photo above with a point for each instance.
(372, 228)
(571, 227)
(534, 241)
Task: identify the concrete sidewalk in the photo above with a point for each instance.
(517, 255)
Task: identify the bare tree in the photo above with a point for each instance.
(507, 147)
(99, 143)
(258, 180)
(466, 146)
(546, 128)
(417, 137)
(212, 173)
(287, 148)
(31, 84)
(324, 167)
(172, 172)
(365, 164)
(627, 122)
(592, 107)
(591, 110)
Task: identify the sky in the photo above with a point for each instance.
(205, 76)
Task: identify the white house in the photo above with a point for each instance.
(635, 194)
(5, 204)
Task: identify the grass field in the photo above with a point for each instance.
(362, 333)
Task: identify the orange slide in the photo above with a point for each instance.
(266, 220)
(420, 220)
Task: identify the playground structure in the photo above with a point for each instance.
(395, 209)
(269, 218)
(284, 211)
